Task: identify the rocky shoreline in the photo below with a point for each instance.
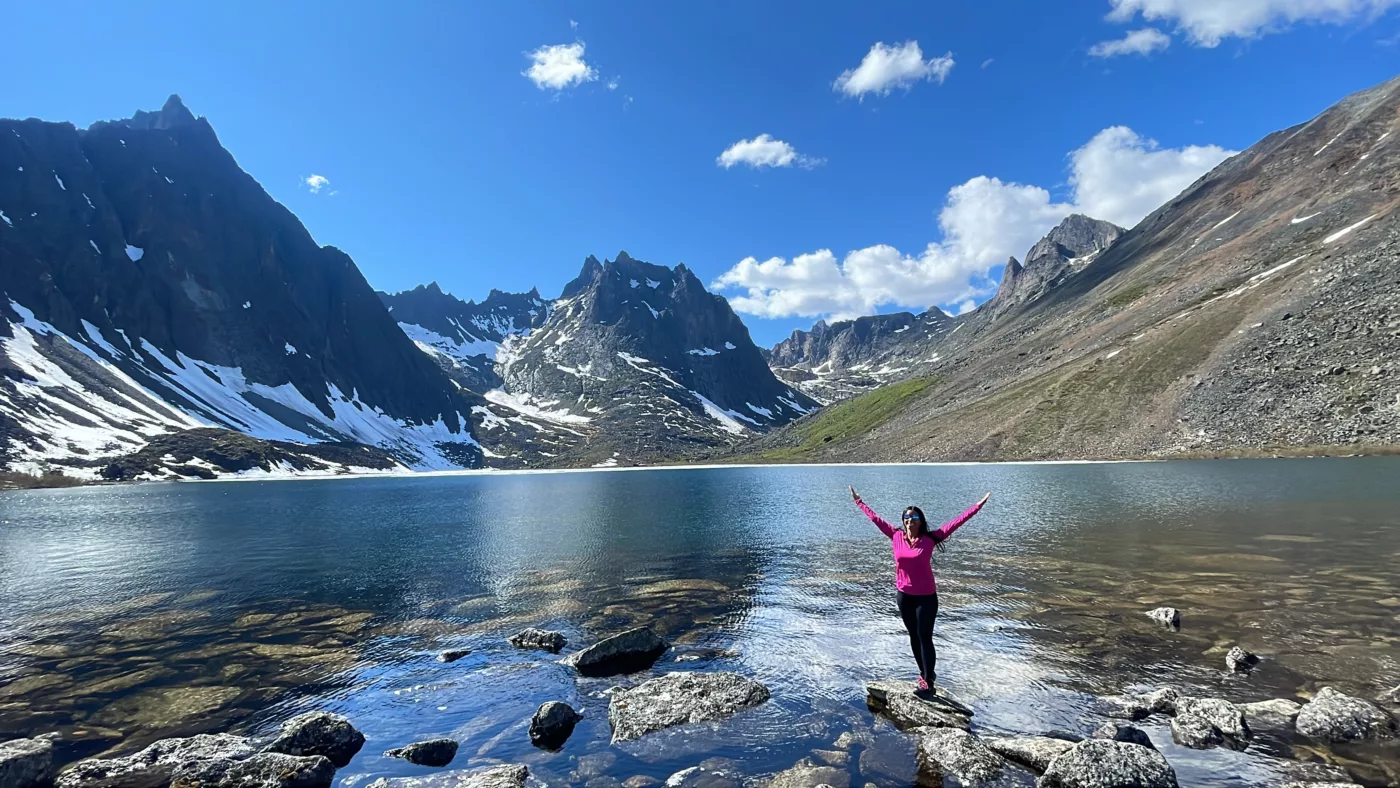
(945, 743)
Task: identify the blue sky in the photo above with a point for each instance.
(444, 160)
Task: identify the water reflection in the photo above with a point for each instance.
(128, 614)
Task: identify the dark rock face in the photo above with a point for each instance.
(1073, 244)
(1237, 660)
(319, 733)
(175, 293)
(205, 453)
(1124, 733)
(954, 752)
(897, 701)
(651, 360)
(26, 763)
(848, 358)
(1201, 723)
(1332, 716)
(552, 724)
(264, 770)
(434, 752)
(1099, 763)
(1032, 752)
(506, 776)
(541, 639)
(627, 652)
(678, 699)
(153, 766)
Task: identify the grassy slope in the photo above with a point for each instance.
(843, 422)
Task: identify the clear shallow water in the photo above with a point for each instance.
(132, 613)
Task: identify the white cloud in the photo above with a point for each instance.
(964, 307)
(316, 183)
(559, 66)
(885, 68)
(1207, 22)
(1118, 175)
(988, 62)
(1136, 42)
(573, 25)
(612, 84)
(764, 151)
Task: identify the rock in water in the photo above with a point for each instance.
(434, 752)
(957, 753)
(1240, 661)
(26, 763)
(1032, 752)
(808, 775)
(1100, 763)
(700, 777)
(319, 733)
(154, 765)
(1201, 723)
(1334, 717)
(1392, 697)
(897, 701)
(1124, 733)
(507, 776)
(552, 725)
(1276, 714)
(542, 639)
(1166, 616)
(264, 770)
(628, 652)
(453, 654)
(1322, 785)
(680, 698)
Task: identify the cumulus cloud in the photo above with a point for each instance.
(764, 151)
(559, 66)
(1136, 42)
(316, 183)
(1207, 22)
(1118, 175)
(885, 68)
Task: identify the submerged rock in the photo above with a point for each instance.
(1032, 752)
(889, 760)
(807, 775)
(1201, 723)
(1276, 714)
(628, 652)
(1322, 785)
(1238, 660)
(1332, 716)
(507, 776)
(453, 654)
(702, 777)
(1166, 616)
(264, 770)
(640, 781)
(154, 765)
(1100, 763)
(553, 724)
(542, 639)
(1124, 733)
(319, 733)
(680, 698)
(26, 763)
(897, 700)
(955, 752)
(434, 752)
(1392, 697)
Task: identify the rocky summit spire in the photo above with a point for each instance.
(173, 114)
(1009, 274)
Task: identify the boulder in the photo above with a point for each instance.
(640, 781)
(680, 698)
(542, 639)
(955, 752)
(318, 733)
(1142, 706)
(1237, 660)
(806, 775)
(628, 652)
(1032, 752)
(1166, 616)
(26, 763)
(434, 752)
(552, 725)
(264, 770)
(1334, 717)
(1276, 714)
(1100, 763)
(1127, 734)
(1201, 723)
(897, 701)
(837, 758)
(154, 765)
(701, 777)
(453, 654)
(506, 776)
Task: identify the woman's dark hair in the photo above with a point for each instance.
(923, 525)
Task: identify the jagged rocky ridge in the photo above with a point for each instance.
(150, 285)
(1257, 312)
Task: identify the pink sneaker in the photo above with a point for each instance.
(923, 685)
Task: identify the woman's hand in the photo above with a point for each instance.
(984, 499)
(856, 496)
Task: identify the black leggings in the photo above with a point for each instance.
(919, 612)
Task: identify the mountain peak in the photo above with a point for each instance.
(173, 114)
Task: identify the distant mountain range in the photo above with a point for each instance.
(166, 318)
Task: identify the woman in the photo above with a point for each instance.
(916, 593)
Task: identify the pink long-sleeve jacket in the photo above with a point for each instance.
(913, 564)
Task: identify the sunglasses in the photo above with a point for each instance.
(909, 517)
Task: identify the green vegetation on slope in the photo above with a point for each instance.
(1126, 296)
(850, 419)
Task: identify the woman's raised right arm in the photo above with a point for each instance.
(885, 528)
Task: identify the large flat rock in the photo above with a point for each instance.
(897, 701)
(678, 699)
